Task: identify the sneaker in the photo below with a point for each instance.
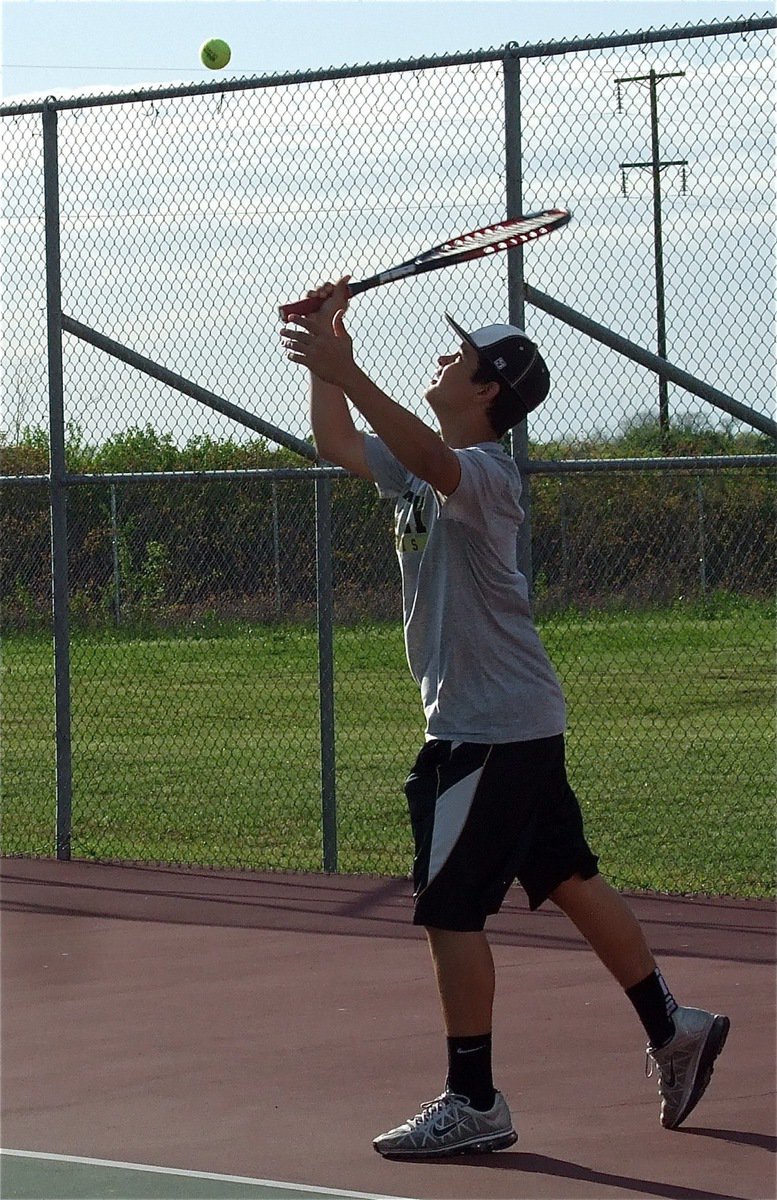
(685, 1063)
(448, 1125)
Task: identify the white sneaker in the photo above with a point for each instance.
(685, 1064)
(448, 1125)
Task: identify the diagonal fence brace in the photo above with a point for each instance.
(210, 399)
(653, 362)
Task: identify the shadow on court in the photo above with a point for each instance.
(268, 1026)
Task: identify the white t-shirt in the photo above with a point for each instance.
(471, 643)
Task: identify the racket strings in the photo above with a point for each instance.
(494, 238)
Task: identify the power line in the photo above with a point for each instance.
(82, 67)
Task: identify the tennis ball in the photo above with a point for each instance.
(215, 54)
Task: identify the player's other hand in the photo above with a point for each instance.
(320, 340)
(335, 299)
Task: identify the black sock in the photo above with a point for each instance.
(654, 1004)
(469, 1070)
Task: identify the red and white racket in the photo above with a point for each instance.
(477, 244)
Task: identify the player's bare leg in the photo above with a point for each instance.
(683, 1042)
(608, 925)
(464, 969)
(470, 1116)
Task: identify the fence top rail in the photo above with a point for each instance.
(511, 51)
(566, 466)
(204, 476)
(534, 466)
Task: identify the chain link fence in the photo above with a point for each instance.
(237, 690)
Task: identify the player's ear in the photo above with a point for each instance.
(487, 392)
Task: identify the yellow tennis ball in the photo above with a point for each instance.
(215, 54)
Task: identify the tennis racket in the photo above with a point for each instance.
(477, 244)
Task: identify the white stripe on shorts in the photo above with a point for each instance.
(450, 815)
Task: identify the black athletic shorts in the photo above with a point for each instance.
(484, 816)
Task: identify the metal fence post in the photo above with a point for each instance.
(276, 550)
(515, 292)
(702, 540)
(115, 557)
(326, 674)
(57, 485)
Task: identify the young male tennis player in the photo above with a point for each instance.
(488, 794)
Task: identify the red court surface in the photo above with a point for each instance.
(269, 1026)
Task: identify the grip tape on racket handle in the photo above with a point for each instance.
(300, 307)
(312, 304)
(303, 307)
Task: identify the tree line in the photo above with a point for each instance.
(172, 552)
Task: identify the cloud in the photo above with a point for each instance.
(185, 222)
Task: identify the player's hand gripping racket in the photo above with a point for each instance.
(477, 244)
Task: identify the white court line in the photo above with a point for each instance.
(272, 1183)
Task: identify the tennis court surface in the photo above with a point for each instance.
(174, 1033)
(28, 1176)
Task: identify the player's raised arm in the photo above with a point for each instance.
(337, 439)
(326, 349)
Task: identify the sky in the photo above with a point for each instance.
(51, 48)
(153, 195)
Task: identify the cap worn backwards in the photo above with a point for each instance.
(513, 356)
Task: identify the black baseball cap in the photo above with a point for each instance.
(514, 357)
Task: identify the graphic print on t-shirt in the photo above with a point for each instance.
(411, 531)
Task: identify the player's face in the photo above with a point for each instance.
(451, 385)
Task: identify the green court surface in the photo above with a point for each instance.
(25, 1175)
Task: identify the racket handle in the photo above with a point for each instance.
(312, 303)
(301, 307)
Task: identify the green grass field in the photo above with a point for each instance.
(201, 747)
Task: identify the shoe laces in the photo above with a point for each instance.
(652, 1063)
(431, 1109)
